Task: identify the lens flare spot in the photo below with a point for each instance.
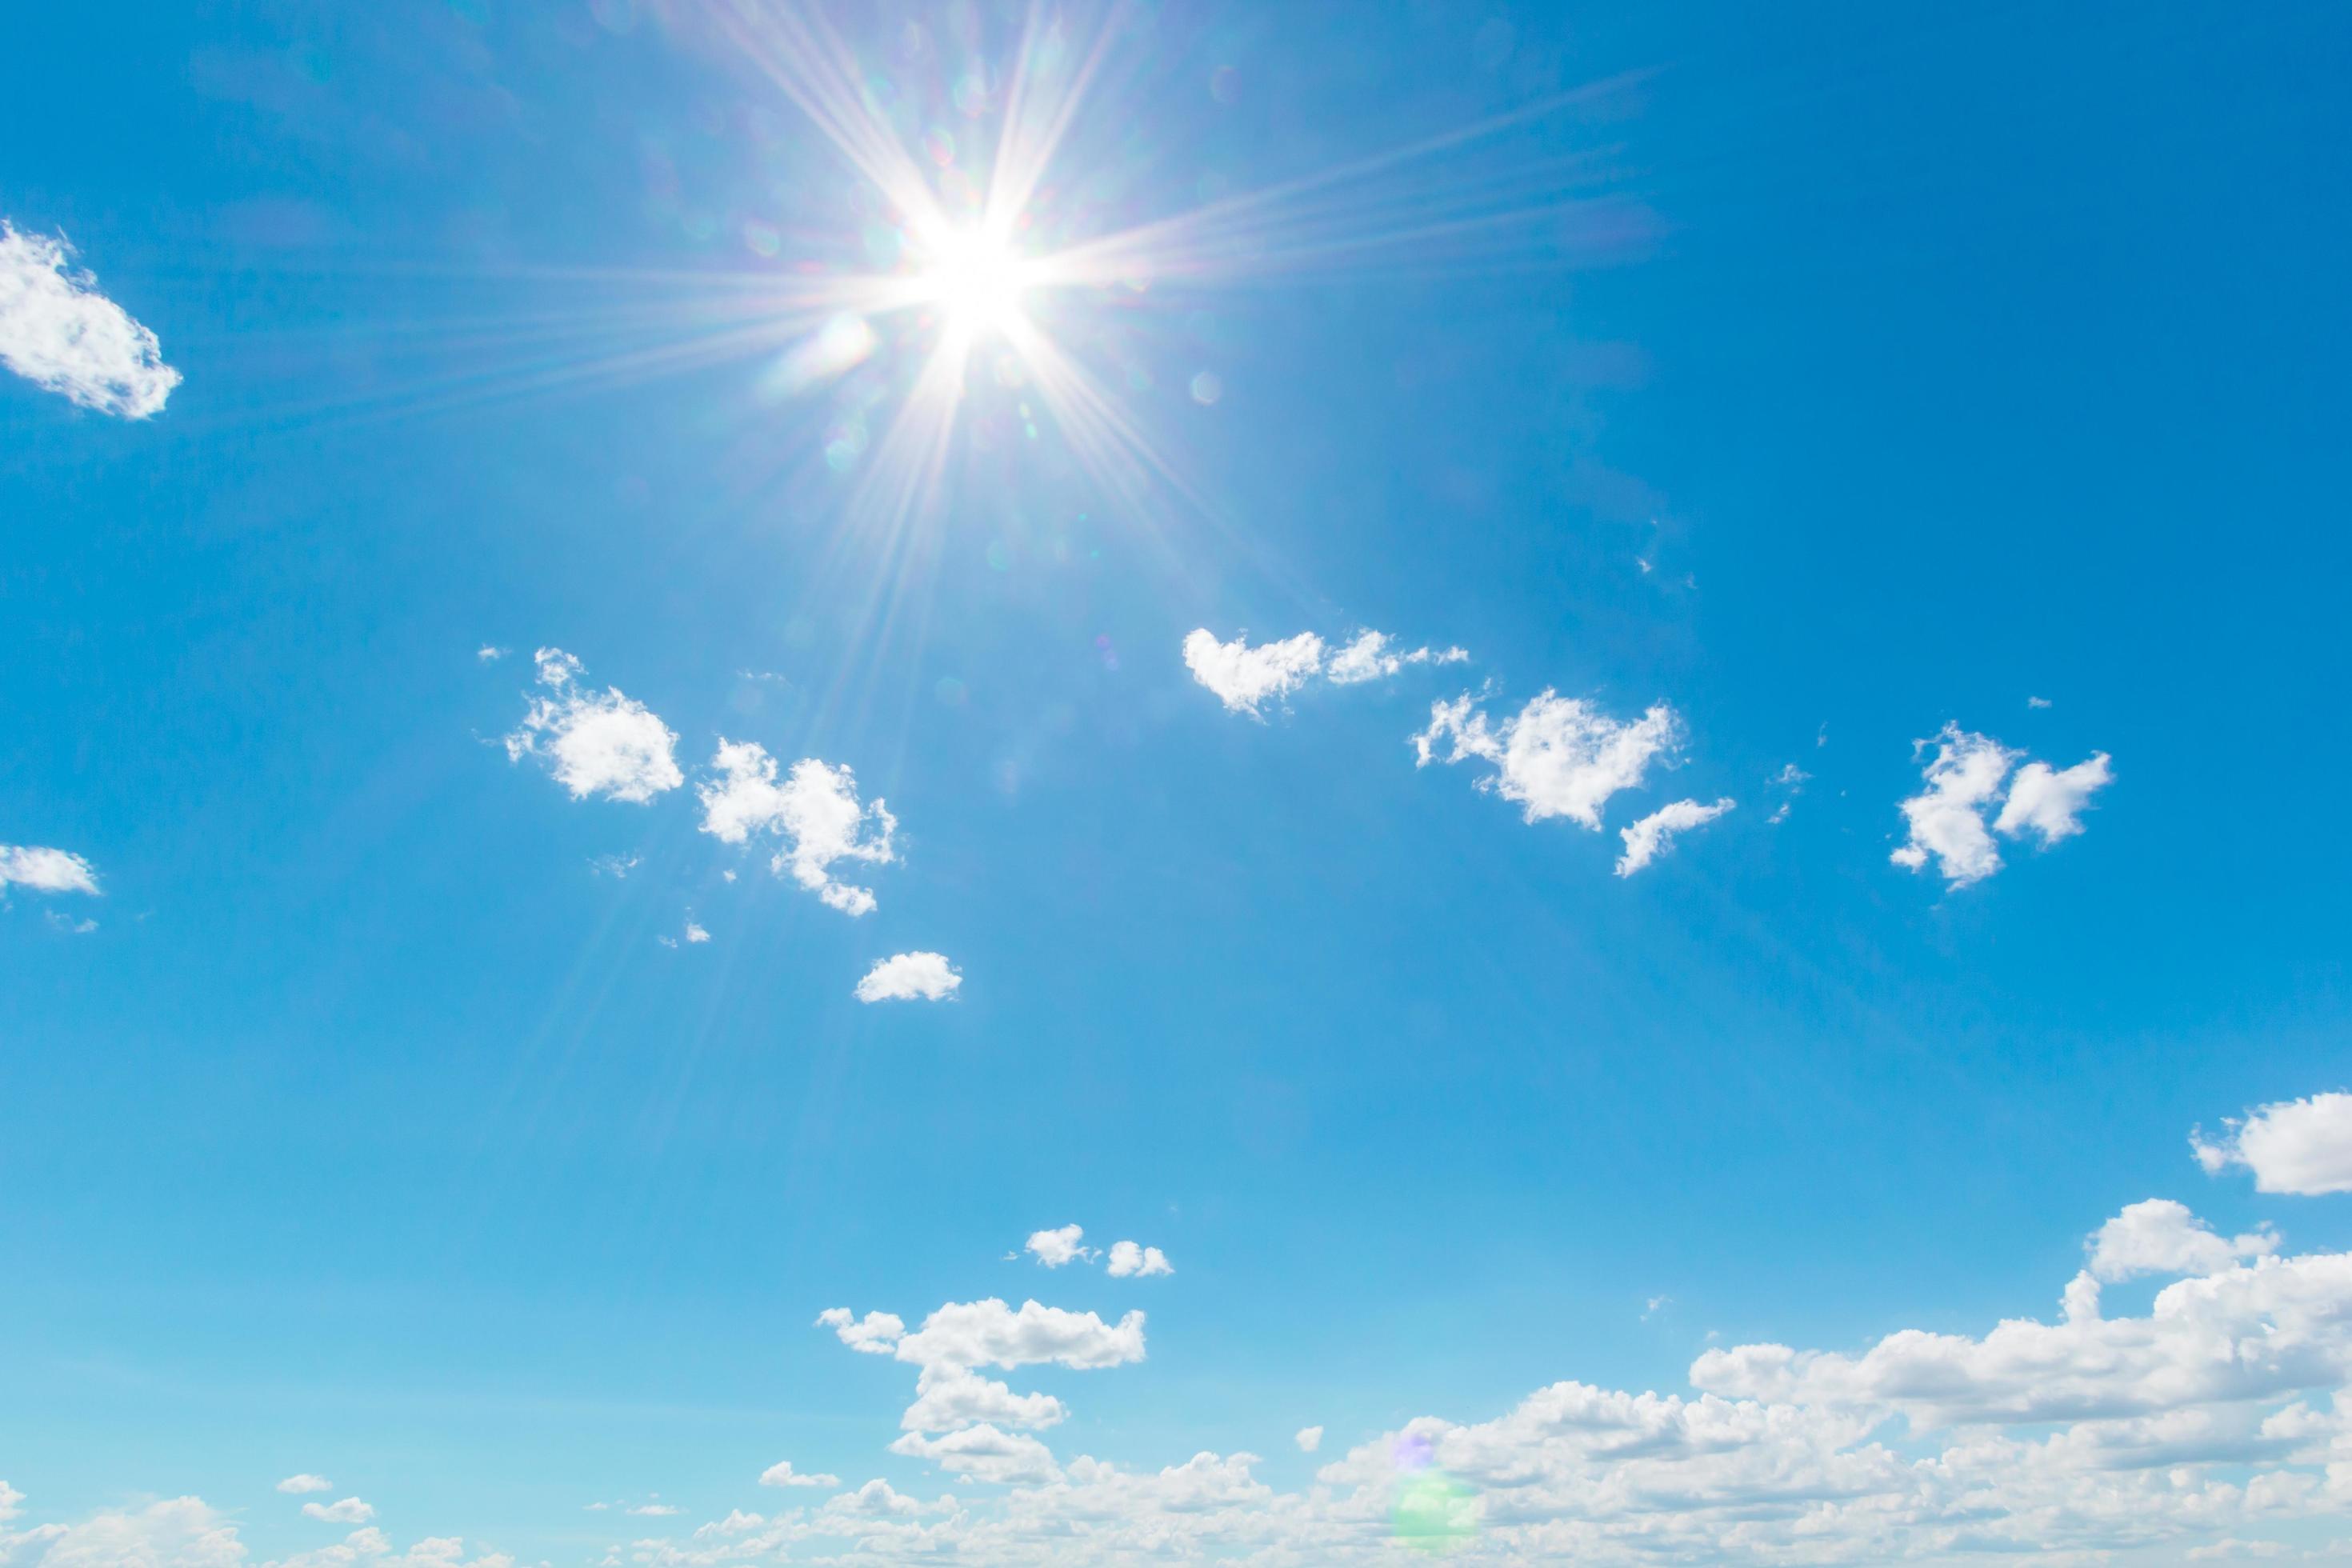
(977, 279)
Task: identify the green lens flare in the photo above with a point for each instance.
(1435, 1513)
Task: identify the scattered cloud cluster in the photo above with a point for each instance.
(2302, 1146)
(1245, 678)
(594, 743)
(58, 331)
(815, 810)
(910, 977)
(970, 1412)
(1966, 776)
(45, 871)
(1125, 1259)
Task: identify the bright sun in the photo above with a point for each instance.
(978, 280)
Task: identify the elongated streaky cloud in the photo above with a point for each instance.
(58, 331)
(594, 743)
(45, 871)
(1244, 677)
(1142, 1262)
(2302, 1146)
(1559, 757)
(1947, 820)
(1368, 658)
(910, 977)
(1655, 835)
(781, 1474)
(815, 810)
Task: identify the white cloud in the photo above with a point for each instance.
(654, 1510)
(988, 1332)
(2158, 1235)
(298, 1485)
(73, 925)
(45, 870)
(2301, 1146)
(175, 1533)
(2037, 702)
(1127, 1258)
(2050, 803)
(816, 810)
(58, 331)
(781, 1474)
(1559, 757)
(1368, 658)
(1054, 1247)
(910, 977)
(616, 866)
(1308, 1438)
(11, 1501)
(348, 1511)
(594, 743)
(877, 1333)
(1243, 677)
(1655, 834)
(985, 1454)
(694, 933)
(489, 653)
(1946, 819)
(947, 1397)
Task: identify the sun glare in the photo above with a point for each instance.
(978, 280)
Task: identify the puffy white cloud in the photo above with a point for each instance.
(11, 1502)
(1126, 1257)
(175, 1533)
(2294, 1146)
(298, 1485)
(1054, 1247)
(489, 653)
(1243, 677)
(2158, 1236)
(1368, 658)
(910, 977)
(58, 331)
(1653, 835)
(990, 1334)
(691, 936)
(1559, 757)
(45, 871)
(348, 1510)
(877, 1333)
(653, 1509)
(1308, 1438)
(1946, 819)
(947, 1397)
(781, 1474)
(594, 743)
(2049, 802)
(985, 1454)
(816, 810)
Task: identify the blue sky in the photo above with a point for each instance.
(434, 430)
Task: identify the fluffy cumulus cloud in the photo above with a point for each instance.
(910, 977)
(2296, 1146)
(1655, 834)
(781, 1474)
(594, 743)
(306, 1483)
(45, 871)
(2161, 1236)
(815, 810)
(58, 331)
(1063, 1244)
(983, 1454)
(1308, 1438)
(1142, 1262)
(347, 1510)
(1969, 773)
(1559, 756)
(1243, 677)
